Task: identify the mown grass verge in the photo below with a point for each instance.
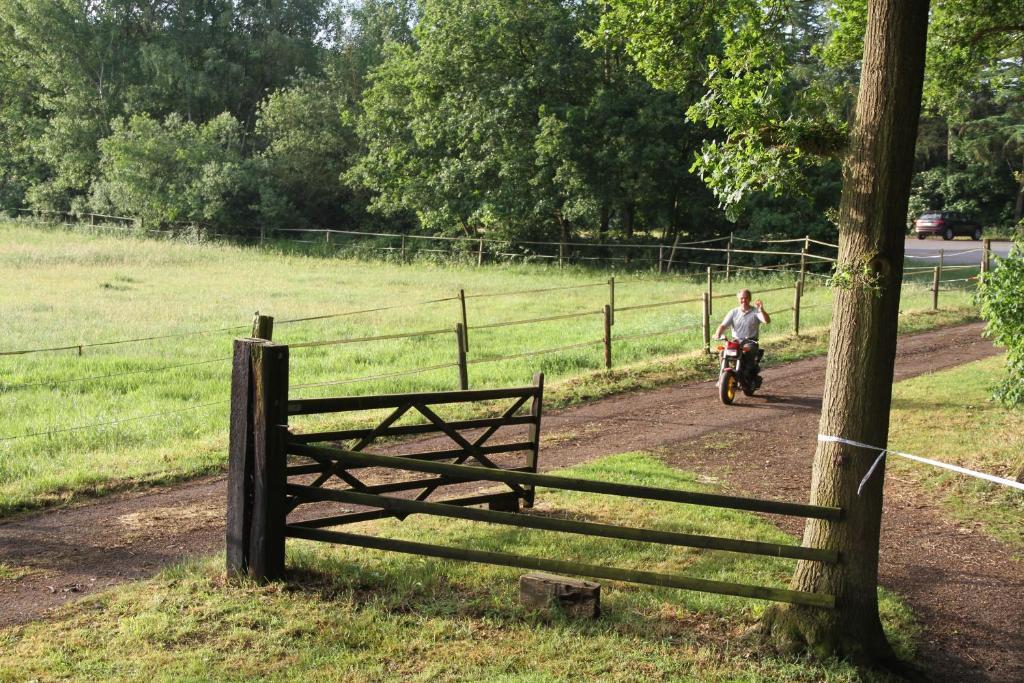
(155, 411)
(949, 416)
(352, 614)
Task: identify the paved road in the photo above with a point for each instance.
(958, 252)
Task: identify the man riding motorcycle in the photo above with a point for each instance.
(745, 321)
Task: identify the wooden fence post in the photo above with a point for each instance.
(942, 260)
(460, 341)
(803, 266)
(262, 326)
(706, 326)
(256, 461)
(607, 337)
(661, 258)
(403, 249)
(935, 288)
(728, 258)
(986, 251)
(465, 323)
(797, 293)
(611, 296)
(711, 292)
(480, 252)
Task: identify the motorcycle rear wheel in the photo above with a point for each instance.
(727, 387)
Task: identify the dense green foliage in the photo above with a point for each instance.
(498, 118)
(561, 119)
(1001, 294)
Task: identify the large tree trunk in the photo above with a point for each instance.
(862, 349)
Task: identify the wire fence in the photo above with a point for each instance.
(798, 269)
(664, 256)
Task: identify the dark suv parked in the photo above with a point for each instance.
(949, 224)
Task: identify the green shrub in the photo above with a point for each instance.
(1001, 297)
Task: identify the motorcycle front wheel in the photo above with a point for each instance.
(727, 386)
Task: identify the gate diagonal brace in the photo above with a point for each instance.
(336, 469)
(471, 449)
(425, 493)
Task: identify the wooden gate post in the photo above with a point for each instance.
(256, 460)
(239, 500)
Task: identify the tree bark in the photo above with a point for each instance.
(862, 349)
(628, 214)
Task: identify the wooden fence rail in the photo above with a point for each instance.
(275, 473)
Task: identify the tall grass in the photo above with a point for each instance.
(66, 288)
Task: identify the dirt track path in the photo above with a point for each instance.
(972, 609)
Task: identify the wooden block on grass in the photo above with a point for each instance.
(506, 504)
(549, 592)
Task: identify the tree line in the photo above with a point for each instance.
(505, 118)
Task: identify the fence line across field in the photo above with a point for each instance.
(534, 291)
(50, 383)
(975, 250)
(85, 345)
(358, 340)
(94, 425)
(92, 345)
(355, 380)
(463, 363)
(527, 321)
(642, 335)
(489, 240)
(363, 311)
(539, 352)
(685, 246)
(659, 304)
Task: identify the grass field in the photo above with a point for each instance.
(352, 614)
(155, 410)
(949, 416)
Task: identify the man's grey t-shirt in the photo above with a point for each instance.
(744, 325)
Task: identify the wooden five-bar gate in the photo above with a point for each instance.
(283, 484)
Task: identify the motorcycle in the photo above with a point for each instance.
(739, 369)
